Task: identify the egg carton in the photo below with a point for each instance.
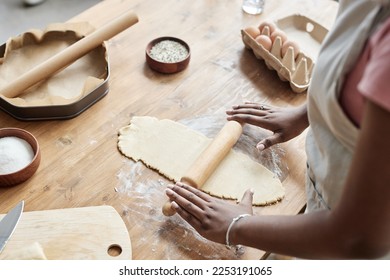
(295, 69)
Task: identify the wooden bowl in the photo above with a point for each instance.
(167, 67)
(17, 177)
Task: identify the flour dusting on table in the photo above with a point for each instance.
(130, 183)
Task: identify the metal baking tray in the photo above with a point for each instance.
(57, 112)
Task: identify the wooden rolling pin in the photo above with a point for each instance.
(68, 55)
(209, 159)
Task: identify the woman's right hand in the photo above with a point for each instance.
(285, 123)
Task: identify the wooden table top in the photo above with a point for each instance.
(81, 165)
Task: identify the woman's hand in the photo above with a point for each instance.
(285, 123)
(209, 216)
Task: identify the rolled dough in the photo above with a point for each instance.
(171, 148)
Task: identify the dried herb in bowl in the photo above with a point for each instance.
(168, 51)
(167, 55)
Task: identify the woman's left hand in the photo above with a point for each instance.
(209, 216)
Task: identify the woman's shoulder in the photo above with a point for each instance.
(382, 32)
(375, 85)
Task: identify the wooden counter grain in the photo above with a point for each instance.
(81, 165)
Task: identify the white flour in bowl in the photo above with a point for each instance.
(15, 154)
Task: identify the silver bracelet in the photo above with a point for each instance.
(228, 245)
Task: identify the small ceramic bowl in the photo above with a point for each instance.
(17, 177)
(164, 66)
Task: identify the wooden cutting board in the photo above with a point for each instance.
(76, 233)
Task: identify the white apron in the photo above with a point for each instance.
(331, 138)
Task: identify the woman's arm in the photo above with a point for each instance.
(358, 227)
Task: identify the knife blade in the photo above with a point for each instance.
(8, 224)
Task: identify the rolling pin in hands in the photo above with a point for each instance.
(209, 159)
